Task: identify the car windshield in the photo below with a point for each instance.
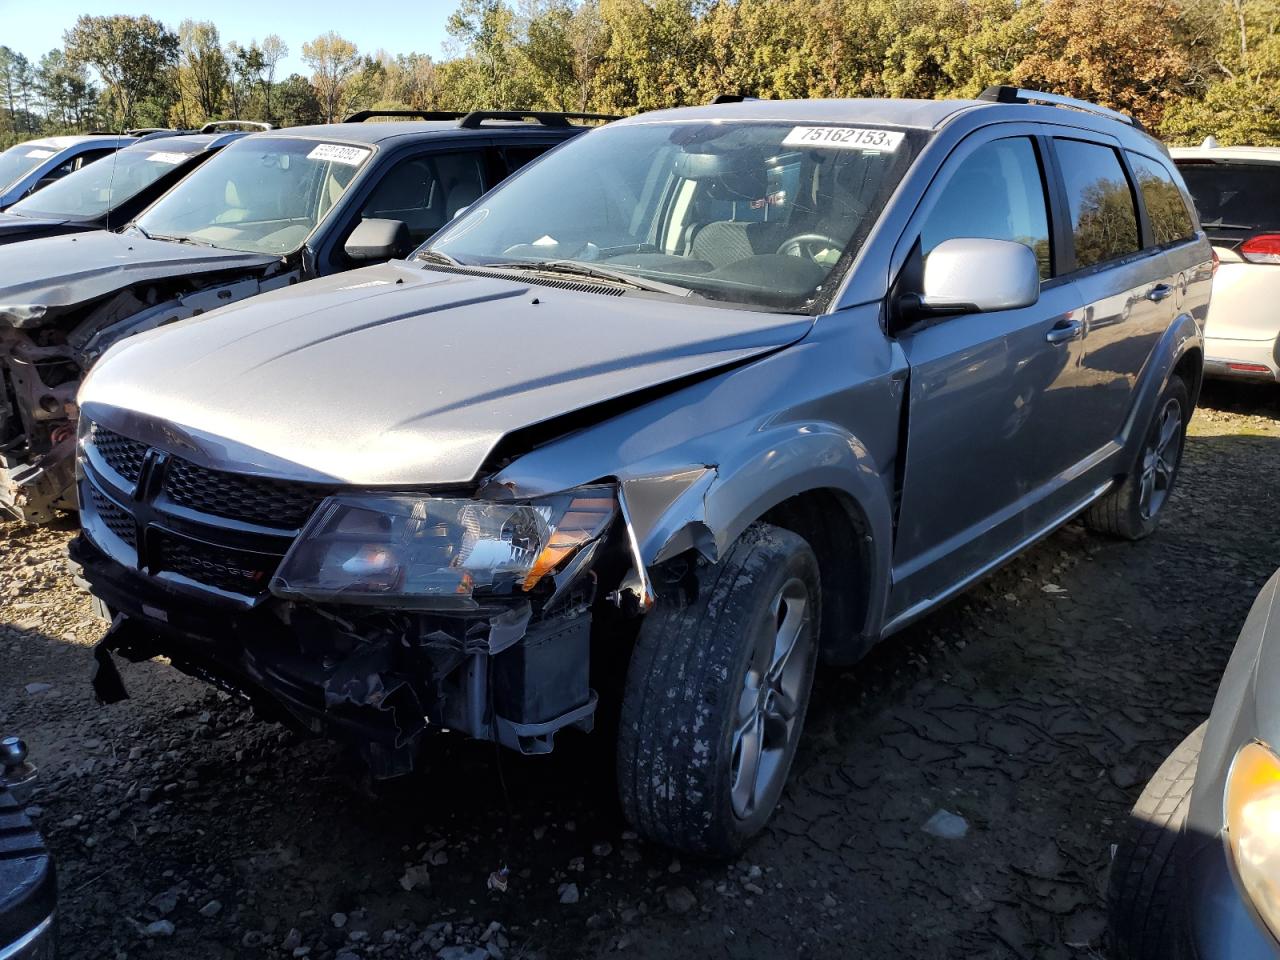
(1234, 195)
(17, 162)
(260, 195)
(758, 214)
(91, 190)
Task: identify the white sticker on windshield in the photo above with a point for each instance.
(546, 240)
(351, 156)
(844, 138)
(169, 158)
(39, 154)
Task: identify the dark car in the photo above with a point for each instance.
(106, 196)
(1197, 874)
(35, 164)
(28, 894)
(270, 210)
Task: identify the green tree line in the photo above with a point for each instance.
(1186, 68)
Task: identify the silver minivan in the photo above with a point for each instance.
(692, 402)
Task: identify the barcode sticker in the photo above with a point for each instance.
(844, 138)
(169, 158)
(39, 154)
(351, 156)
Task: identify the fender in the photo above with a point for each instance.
(1182, 336)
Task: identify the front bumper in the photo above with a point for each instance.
(378, 679)
(1257, 360)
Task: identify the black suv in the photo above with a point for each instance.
(270, 210)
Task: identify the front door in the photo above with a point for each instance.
(992, 432)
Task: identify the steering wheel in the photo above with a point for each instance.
(809, 245)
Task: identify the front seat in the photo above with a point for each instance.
(723, 242)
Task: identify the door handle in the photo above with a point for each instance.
(1159, 292)
(1065, 330)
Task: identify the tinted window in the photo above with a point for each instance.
(426, 192)
(1104, 222)
(517, 157)
(1166, 209)
(997, 193)
(1239, 196)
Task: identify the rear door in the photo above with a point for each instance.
(993, 430)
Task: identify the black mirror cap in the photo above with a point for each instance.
(375, 239)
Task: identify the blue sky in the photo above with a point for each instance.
(32, 27)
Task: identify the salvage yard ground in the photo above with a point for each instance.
(1034, 707)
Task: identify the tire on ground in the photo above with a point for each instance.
(1118, 513)
(1141, 887)
(683, 689)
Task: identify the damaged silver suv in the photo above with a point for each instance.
(685, 406)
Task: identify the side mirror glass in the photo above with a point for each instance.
(975, 275)
(374, 240)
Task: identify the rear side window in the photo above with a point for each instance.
(997, 193)
(1166, 209)
(1104, 223)
(1234, 196)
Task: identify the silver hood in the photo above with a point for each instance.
(398, 375)
(47, 276)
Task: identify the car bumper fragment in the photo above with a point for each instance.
(1242, 359)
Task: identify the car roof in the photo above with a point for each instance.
(921, 114)
(371, 134)
(1256, 154)
(63, 142)
(184, 143)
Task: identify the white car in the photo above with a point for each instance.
(1237, 191)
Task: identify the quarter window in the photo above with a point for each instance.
(1166, 209)
(1104, 223)
(997, 193)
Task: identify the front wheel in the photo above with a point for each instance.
(1132, 510)
(716, 694)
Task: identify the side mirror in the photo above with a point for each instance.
(375, 239)
(974, 275)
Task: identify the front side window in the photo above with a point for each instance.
(758, 214)
(997, 193)
(1166, 209)
(17, 162)
(426, 192)
(89, 192)
(260, 194)
(1104, 222)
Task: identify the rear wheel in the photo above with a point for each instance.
(1132, 510)
(716, 695)
(1142, 887)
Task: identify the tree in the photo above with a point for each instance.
(298, 103)
(132, 55)
(67, 97)
(202, 72)
(245, 68)
(273, 51)
(333, 61)
(488, 74)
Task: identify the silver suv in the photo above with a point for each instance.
(694, 401)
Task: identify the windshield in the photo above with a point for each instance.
(1234, 196)
(91, 190)
(17, 162)
(758, 214)
(260, 195)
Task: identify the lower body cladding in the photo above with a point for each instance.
(380, 680)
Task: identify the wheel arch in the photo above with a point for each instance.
(1180, 351)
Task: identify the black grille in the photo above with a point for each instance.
(122, 455)
(235, 571)
(282, 504)
(114, 519)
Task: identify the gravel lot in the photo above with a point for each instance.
(1034, 707)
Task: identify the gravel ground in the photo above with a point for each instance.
(1034, 707)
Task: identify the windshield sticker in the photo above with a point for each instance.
(169, 158)
(844, 138)
(351, 156)
(546, 241)
(39, 154)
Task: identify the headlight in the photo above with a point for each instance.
(421, 552)
(1253, 828)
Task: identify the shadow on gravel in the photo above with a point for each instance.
(1260, 399)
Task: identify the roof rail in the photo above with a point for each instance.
(1008, 94)
(731, 98)
(362, 115)
(143, 131)
(548, 119)
(213, 125)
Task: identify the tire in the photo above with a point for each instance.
(1122, 512)
(694, 704)
(1142, 888)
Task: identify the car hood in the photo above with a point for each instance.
(45, 277)
(13, 227)
(397, 375)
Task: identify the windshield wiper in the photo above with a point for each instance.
(579, 269)
(435, 256)
(1225, 226)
